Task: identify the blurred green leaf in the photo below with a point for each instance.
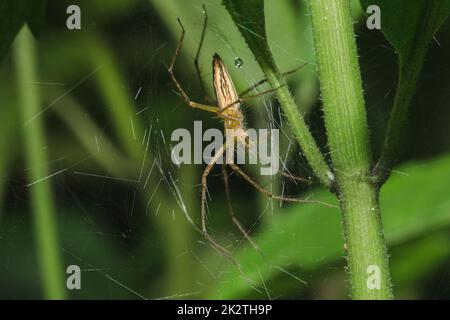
(402, 21)
(84, 128)
(13, 14)
(42, 200)
(117, 97)
(109, 268)
(410, 27)
(412, 261)
(414, 202)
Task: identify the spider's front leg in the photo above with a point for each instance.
(181, 91)
(178, 85)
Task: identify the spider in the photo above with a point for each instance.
(228, 107)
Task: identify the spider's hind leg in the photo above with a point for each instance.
(221, 249)
(261, 189)
(261, 82)
(235, 220)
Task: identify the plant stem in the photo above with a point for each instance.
(348, 140)
(410, 67)
(33, 135)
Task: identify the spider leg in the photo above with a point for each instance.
(240, 100)
(243, 93)
(221, 249)
(307, 181)
(295, 178)
(197, 55)
(235, 220)
(178, 85)
(261, 189)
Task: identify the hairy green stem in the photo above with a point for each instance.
(41, 194)
(348, 140)
(410, 68)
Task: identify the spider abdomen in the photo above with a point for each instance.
(227, 96)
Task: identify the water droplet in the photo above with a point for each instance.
(238, 63)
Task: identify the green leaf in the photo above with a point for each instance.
(13, 14)
(304, 238)
(403, 21)
(416, 259)
(410, 27)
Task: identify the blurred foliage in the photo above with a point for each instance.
(403, 21)
(13, 14)
(291, 241)
(133, 240)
